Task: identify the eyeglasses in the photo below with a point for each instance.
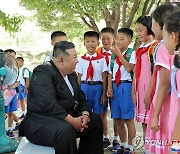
(173, 81)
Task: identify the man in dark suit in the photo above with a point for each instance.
(57, 111)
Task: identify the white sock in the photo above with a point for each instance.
(116, 138)
(24, 112)
(9, 128)
(131, 147)
(106, 136)
(124, 144)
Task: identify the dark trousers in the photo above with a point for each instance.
(62, 136)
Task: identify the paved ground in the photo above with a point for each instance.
(139, 138)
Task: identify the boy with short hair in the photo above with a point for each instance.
(107, 38)
(12, 106)
(120, 85)
(23, 85)
(56, 36)
(91, 70)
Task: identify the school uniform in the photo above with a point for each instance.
(174, 99)
(122, 105)
(107, 56)
(105, 53)
(143, 75)
(162, 135)
(12, 106)
(92, 84)
(22, 75)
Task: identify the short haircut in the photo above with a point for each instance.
(126, 31)
(108, 30)
(56, 34)
(61, 47)
(147, 22)
(161, 12)
(9, 51)
(21, 58)
(91, 34)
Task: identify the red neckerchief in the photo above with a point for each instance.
(90, 70)
(139, 53)
(118, 73)
(106, 55)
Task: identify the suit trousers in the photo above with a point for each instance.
(62, 136)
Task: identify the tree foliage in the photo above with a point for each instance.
(11, 24)
(76, 16)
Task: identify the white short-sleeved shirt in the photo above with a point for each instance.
(109, 52)
(104, 50)
(49, 57)
(99, 66)
(22, 76)
(124, 74)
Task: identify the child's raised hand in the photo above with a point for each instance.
(115, 50)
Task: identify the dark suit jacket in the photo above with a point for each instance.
(49, 98)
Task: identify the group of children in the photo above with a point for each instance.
(134, 82)
(105, 75)
(142, 82)
(14, 93)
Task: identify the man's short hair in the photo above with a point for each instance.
(108, 30)
(126, 31)
(61, 47)
(91, 34)
(56, 34)
(9, 51)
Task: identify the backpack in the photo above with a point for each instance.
(99, 50)
(151, 51)
(30, 73)
(128, 56)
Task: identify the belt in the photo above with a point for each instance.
(124, 81)
(91, 82)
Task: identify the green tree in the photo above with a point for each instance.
(76, 16)
(11, 24)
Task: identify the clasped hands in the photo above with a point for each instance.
(80, 123)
